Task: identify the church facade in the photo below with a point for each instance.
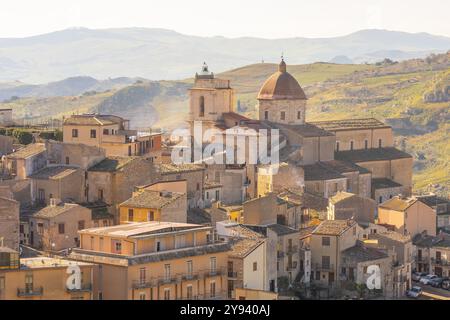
(325, 157)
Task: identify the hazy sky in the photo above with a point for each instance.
(230, 18)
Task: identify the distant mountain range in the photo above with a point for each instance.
(164, 54)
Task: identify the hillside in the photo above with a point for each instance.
(412, 96)
(164, 54)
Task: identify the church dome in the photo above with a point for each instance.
(281, 86)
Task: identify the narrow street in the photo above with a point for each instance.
(431, 293)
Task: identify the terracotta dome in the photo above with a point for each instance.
(281, 86)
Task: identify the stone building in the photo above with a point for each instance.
(113, 180)
(9, 222)
(26, 161)
(408, 216)
(55, 227)
(59, 182)
(345, 205)
(111, 133)
(162, 201)
(155, 261)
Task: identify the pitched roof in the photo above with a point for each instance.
(384, 183)
(242, 247)
(334, 227)
(306, 130)
(111, 164)
(28, 151)
(317, 171)
(375, 154)
(341, 195)
(343, 166)
(54, 172)
(53, 211)
(168, 168)
(362, 253)
(398, 204)
(350, 124)
(393, 235)
(152, 199)
(93, 119)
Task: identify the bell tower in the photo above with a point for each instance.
(210, 97)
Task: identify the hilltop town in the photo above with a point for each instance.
(104, 213)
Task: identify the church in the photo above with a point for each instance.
(322, 157)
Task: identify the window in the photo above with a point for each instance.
(380, 143)
(93, 133)
(40, 228)
(189, 291)
(283, 115)
(198, 186)
(351, 145)
(189, 268)
(166, 294)
(201, 112)
(100, 194)
(130, 214)
(325, 262)
(266, 115)
(29, 282)
(326, 241)
(299, 115)
(92, 243)
(142, 275)
(337, 145)
(67, 160)
(142, 296)
(74, 133)
(100, 244)
(217, 195)
(61, 228)
(151, 216)
(380, 199)
(354, 231)
(167, 272)
(158, 246)
(81, 225)
(105, 131)
(207, 195)
(213, 264)
(366, 144)
(255, 266)
(41, 195)
(212, 289)
(117, 245)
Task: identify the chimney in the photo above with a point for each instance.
(54, 202)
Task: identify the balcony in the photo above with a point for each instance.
(141, 284)
(440, 262)
(30, 292)
(280, 254)
(232, 274)
(84, 288)
(214, 273)
(191, 276)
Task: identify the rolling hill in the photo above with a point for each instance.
(164, 54)
(413, 96)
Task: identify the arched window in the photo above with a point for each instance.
(366, 144)
(202, 107)
(266, 115)
(379, 143)
(299, 115)
(351, 145)
(337, 145)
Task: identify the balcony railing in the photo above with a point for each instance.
(177, 278)
(280, 254)
(440, 262)
(84, 288)
(232, 274)
(30, 292)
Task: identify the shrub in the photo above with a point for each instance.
(24, 137)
